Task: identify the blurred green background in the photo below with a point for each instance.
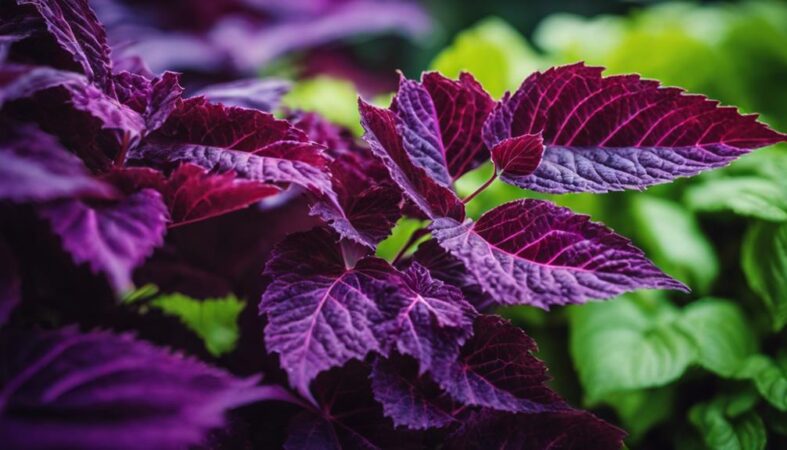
(703, 370)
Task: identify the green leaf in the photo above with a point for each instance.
(639, 411)
(746, 196)
(728, 423)
(494, 52)
(722, 336)
(672, 237)
(400, 234)
(764, 262)
(769, 378)
(628, 343)
(333, 98)
(215, 321)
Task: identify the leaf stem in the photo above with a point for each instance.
(417, 234)
(480, 188)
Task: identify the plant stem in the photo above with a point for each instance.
(480, 188)
(417, 234)
(120, 159)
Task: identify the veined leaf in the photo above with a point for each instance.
(728, 423)
(755, 197)
(764, 262)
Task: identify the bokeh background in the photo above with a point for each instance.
(700, 370)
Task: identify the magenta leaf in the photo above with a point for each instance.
(22, 81)
(517, 157)
(497, 369)
(111, 238)
(35, 167)
(65, 389)
(563, 430)
(431, 197)
(165, 94)
(619, 132)
(535, 253)
(410, 399)
(10, 282)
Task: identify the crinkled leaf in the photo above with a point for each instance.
(517, 156)
(431, 197)
(261, 94)
(751, 196)
(764, 262)
(566, 430)
(536, 253)
(410, 399)
(34, 167)
(111, 238)
(620, 132)
(214, 320)
(496, 369)
(59, 386)
(22, 81)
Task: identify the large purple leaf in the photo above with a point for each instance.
(620, 132)
(535, 253)
(65, 389)
(34, 167)
(10, 283)
(77, 31)
(253, 144)
(349, 418)
(111, 238)
(564, 430)
(323, 311)
(431, 197)
(440, 122)
(410, 399)
(21, 81)
(433, 319)
(497, 370)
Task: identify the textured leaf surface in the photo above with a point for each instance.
(35, 167)
(764, 262)
(517, 156)
(755, 197)
(429, 195)
(59, 386)
(724, 427)
(111, 238)
(496, 369)
(261, 94)
(620, 132)
(568, 430)
(533, 252)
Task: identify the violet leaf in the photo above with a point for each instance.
(517, 157)
(535, 253)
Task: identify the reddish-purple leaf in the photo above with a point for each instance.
(563, 430)
(410, 399)
(34, 167)
(496, 369)
(432, 198)
(77, 31)
(165, 93)
(517, 157)
(261, 94)
(10, 283)
(92, 391)
(111, 238)
(19, 81)
(535, 253)
(620, 132)
(192, 193)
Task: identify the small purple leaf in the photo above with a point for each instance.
(535, 253)
(619, 132)
(112, 238)
(517, 157)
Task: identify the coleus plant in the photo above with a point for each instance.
(375, 353)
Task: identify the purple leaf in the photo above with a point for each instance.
(410, 399)
(433, 319)
(165, 93)
(517, 157)
(111, 238)
(10, 283)
(321, 312)
(432, 198)
(34, 167)
(620, 132)
(22, 81)
(535, 253)
(192, 193)
(76, 29)
(564, 430)
(349, 417)
(497, 370)
(261, 94)
(64, 389)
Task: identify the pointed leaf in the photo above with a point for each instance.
(620, 132)
(517, 157)
(533, 252)
(111, 238)
(769, 378)
(59, 386)
(751, 196)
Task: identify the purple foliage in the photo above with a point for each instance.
(110, 177)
